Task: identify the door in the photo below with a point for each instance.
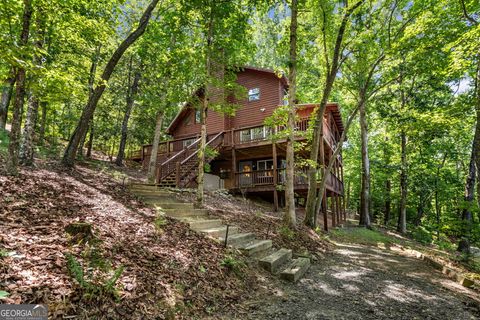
(246, 171)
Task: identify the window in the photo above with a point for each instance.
(198, 116)
(255, 134)
(285, 97)
(188, 142)
(265, 165)
(254, 94)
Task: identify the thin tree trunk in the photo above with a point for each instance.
(152, 165)
(90, 139)
(7, 91)
(13, 147)
(88, 111)
(311, 207)
(131, 93)
(43, 122)
(467, 218)
(26, 148)
(365, 189)
(203, 113)
(289, 217)
(91, 83)
(402, 217)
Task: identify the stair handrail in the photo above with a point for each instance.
(166, 163)
(189, 171)
(208, 143)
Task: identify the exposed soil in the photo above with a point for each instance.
(361, 282)
(169, 271)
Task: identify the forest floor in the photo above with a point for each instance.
(130, 265)
(365, 281)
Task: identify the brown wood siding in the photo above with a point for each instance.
(215, 123)
(250, 114)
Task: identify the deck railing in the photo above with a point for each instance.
(266, 177)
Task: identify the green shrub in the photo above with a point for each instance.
(160, 222)
(232, 264)
(94, 283)
(287, 233)
(422, 235)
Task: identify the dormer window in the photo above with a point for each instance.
(254, 94)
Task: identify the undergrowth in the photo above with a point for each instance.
(95, 282)
(362, 236)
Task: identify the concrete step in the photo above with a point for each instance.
(171, 205)
(238, 239)
(178, 213)
(255, 247)
(274, 261)
(160, 198)
(202, 224)
(296, 269)
(220, 232)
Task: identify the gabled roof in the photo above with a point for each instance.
(332, 107)
(184, 109)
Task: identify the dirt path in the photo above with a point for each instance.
(360, 282)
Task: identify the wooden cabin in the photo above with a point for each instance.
(248, 160)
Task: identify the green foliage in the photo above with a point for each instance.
(422, 235)
(160, 222)
(287, 233)
(94, 284)
(4, 141)
(3, 294)
(232, 264)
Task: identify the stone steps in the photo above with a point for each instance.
(296, 269)
(274, 261)
(179, 213)
(238, 239)
(220, 232)
(255, 247)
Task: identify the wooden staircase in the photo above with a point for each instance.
(181, 170)
(277, 261)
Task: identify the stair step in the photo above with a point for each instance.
(204, 224)
(178, 213)
(159, 197)
(255, 247)
(219, 232)
(170, 205)
(296, 269)
(238, 239)
(274, 261)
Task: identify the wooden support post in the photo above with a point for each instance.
(325, 209)
(275, 177)
(334, 212)
(177, 174)
(234, 166)
(339, 214)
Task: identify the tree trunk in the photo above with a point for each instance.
(43, 122)
(365, 188)
(26, 149)
(152, 165)
(311, 207)
(88, 111)
(12, 161)
(91, 83)
(203, 112)
(402, 217)
(7, 91)
(289, 217)
(131, 93)
(467, 218)
(388, 201)
(420, 210)
(90, 140)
